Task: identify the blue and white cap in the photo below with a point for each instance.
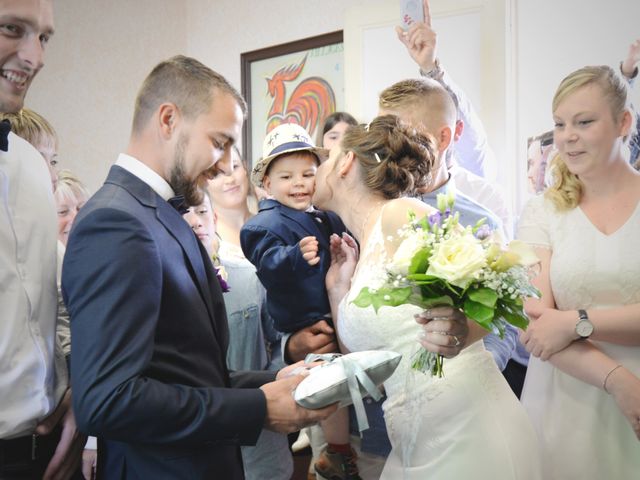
(285, 138)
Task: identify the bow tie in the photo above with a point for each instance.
(179, 204)
(5, 128)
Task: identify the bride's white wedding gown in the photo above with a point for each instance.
(467, 424)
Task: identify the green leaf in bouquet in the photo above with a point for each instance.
(499, 326)
(515, 302)
(422, 278)
(479, 313)
(420, 261)
(485, 296)
(390, 297)
(364, 298)
(434, 289)
(430, 302)
(399, 296)
(513, 313)
(457, 291)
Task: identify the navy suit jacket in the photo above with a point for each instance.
(150, 337)
(296, 293)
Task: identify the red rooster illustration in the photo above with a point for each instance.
(309, 103)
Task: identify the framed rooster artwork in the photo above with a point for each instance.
(298, 82)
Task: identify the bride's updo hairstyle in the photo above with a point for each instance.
(395, 159)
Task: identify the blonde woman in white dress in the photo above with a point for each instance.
(582, 390)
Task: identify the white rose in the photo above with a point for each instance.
(405, 253)
(458, 260)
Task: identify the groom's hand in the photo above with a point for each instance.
(444, 331)
(284, 415)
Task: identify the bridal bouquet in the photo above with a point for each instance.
(438, 262)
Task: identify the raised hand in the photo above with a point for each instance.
(344, 256)
(421, 41)
(309, 249)
(630, 62)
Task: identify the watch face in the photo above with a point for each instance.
(584, 328)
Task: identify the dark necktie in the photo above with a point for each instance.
(5, 128)
(179, 204)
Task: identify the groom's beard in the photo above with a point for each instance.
(178, 180)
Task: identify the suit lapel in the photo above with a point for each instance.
(179, 229)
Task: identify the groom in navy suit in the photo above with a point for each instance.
(147, 317)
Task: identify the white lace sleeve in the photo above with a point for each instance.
(533, 227)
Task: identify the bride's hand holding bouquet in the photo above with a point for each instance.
(445, 331)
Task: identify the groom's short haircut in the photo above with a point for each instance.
(433, 100)
(186, 83)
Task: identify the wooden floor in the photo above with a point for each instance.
(301, 460)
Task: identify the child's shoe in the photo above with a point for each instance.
(337, 466)
(302, 441)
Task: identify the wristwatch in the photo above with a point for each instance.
(436, 73)
(584, 327)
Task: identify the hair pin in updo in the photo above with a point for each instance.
(377, 157)
(366, 127)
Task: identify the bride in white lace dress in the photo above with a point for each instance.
(467, 424)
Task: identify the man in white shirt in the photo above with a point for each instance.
(35, 418)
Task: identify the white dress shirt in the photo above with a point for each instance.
(33, 372)
(488, 194)
(146, 174)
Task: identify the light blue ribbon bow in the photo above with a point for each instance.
(354, 374)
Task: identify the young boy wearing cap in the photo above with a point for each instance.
(288, 242)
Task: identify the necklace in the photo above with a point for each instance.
(366, 219)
